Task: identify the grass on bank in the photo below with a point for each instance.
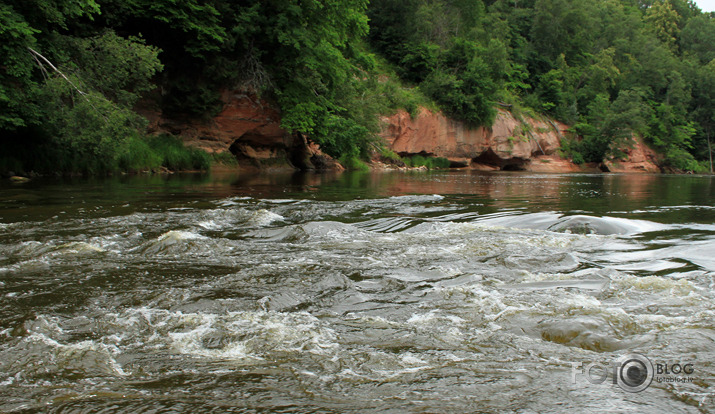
(152, 153)
(136, 153)
(432, 163)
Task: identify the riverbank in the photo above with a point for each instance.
(249, 129)
(246, 134)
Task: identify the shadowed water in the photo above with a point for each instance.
(385, 292)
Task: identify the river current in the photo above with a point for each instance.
(360, 292)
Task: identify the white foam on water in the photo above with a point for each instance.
(31, 248)
(264, 217)
(222, 218)
(483, 306)
(192, 343)
(210, 225)
(605, 225)
(279, 201)
(372, 321)
(417, 198)
(673, 287)
(179, 235)
(228, 202)
(433, 317)
(379, 366)
(649, 266)
(80, 247)
(181, 241)
(245, 335)
(568, 224)
(42, 352)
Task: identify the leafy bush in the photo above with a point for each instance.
(136, 155)
(176, 156)
(389, 154)
(151, 153)
(429, 162)
(353, 163)
(681, 160)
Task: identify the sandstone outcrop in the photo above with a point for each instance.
(250, 129)
(639, 159)
(510, 144)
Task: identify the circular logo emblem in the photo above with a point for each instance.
(634, 372)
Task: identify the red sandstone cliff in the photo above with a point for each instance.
(639, 159)
(250, 129)
(510, 144)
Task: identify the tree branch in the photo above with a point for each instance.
(38, 55)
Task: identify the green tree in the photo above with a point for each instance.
(663, 20)
(71, 95)
(698, 38)
(16, 70)
(563, 27)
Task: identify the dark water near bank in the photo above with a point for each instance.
(383, 292)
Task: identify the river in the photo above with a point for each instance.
(423, 292)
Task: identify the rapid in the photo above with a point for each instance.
(357, 292)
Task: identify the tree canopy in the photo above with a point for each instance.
(611, 68)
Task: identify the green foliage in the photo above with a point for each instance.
(663, 20)
(224, 158)
(353, 163)
(577, 158)
(443, 54)
(118, 68)
(137, 155)
(563, 27)
(389, 154)
(176, 156)
(72, 92)
(90, 133)
(343, 137)
(611, 68)
(429, 162)
(16, 35)
(467, 97)
(698, 38)
(152, 153)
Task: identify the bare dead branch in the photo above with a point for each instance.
(38, 55)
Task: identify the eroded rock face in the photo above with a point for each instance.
(639, 159)
(250, 129)
(510, 144)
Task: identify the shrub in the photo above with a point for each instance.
(429, 162)
(353, 163)
(136, 154)
(176, 156)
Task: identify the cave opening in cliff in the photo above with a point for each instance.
(488, 157)
(492, 159)
(247, 149)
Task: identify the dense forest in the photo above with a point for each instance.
(73, 72)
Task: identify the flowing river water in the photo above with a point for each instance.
(383, 292)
